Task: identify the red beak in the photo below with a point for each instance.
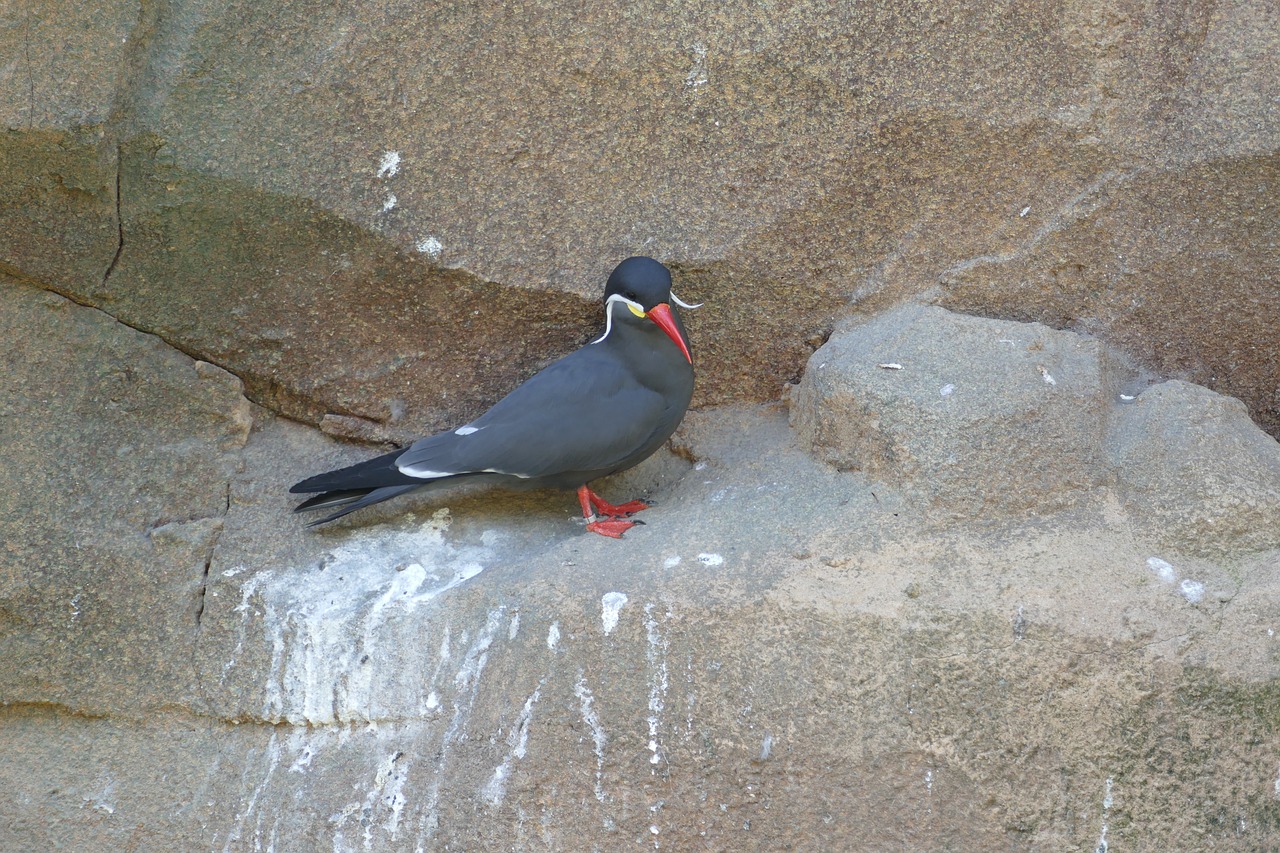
(661, 314)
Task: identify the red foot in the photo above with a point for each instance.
(590, 500)
(613, 527)
(613, 524)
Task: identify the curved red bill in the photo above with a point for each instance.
(661, 314)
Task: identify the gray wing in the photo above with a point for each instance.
(578, 414)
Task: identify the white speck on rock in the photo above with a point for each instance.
(1022, 213)
(1192, 591)
(1163, 569)
(889, 365)
(389, 165)
(946, 390)
(766, 747)
(671, 562)
(611, 604)
(553, 636)
(1046, 375)
(431, 247)
(390, 202)
(697, 75)
(711, 559)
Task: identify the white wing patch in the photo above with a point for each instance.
(466, 430)
(423, 473)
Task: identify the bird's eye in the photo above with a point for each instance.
(630, 295)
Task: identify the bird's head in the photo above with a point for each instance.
(641, 287)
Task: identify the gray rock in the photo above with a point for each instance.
(978, 416)
(785, 656)
(983, 418)
(1192, 465)
(118, 458)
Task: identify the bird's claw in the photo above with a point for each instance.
(611, 527)
(629, 507)
(620, 510)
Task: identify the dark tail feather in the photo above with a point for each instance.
(363, 476)
(350, 500)
(329, 499)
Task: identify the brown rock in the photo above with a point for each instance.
(1080, 166)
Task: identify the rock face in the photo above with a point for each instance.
(790, 654)
(411, 175)
(985, 418)
(984, 415)
(1002, 583)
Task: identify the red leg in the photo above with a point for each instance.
(612, 525)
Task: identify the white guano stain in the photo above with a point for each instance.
(327, 629)
(388, 790)
(553, 636)
(659, 680)
(592, 719)
(389, 166)
(466, 684)
(611, 604)
(1103, 845)
(708, 559)
(495, 790)
(1192, 591)
(697, 76)
(1163, 570)
(245, 815)
(431, 247)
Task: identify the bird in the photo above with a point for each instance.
(598, 410)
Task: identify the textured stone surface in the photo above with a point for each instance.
(1192, 462)
(784, 656)
(1179, 267)
(982, 418)
(381, 216)
(409, 175)
(981, 415)
(118, 457)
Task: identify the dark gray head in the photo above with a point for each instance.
(643, 286)
(641, 280)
